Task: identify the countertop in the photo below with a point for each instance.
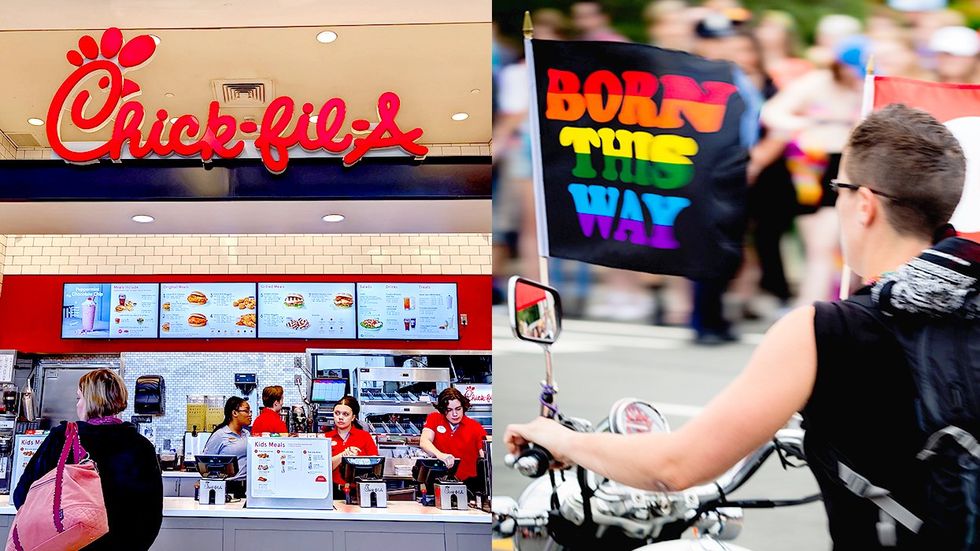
(181, 474)
(396, 511)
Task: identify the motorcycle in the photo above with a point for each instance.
(573, 508)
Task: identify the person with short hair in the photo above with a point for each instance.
(132, 484)
(451, 436)
(901, 177)
(269, 419)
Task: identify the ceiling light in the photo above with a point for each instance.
(314, 118)
(35, 121)
(156, 39)
(460, 116)
(143, 218)
(475, 91)
(168, 95)
(333, 218)
(326, 37)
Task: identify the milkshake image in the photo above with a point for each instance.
(88, 315)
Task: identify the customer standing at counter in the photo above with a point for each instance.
(269, 419)
(132, 485)
(348, 439)
(451, 436)
(230, 438)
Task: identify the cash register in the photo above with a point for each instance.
(215, 471)
(366, 472)
(438, 485)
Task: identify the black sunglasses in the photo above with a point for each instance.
(837, 185)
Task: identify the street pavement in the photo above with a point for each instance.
(597, 363)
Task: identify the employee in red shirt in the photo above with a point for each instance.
(451, 436)
(347, 438)
(269, 419)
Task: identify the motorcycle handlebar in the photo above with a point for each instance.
(626, 501)
(532, 462)
(788, 440)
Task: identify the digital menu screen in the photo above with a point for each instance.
(110, 311)
(306, 311)
(412, 311)
(207, 310)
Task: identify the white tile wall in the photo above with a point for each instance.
(8, 150)
(209, 374)
(246, 254)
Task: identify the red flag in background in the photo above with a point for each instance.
(958, 107)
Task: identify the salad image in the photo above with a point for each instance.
(371, 323)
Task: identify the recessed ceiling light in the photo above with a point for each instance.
(35, 121)
(460, 116)
(156, 39)
(326, 37)
(314, 118)
(168, 95)
(475, 91)
(143, 218)
(333, 218)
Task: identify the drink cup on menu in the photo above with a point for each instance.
(408, 324)
(88, 315)
(408, 303)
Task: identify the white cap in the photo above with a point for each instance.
(838, 26)
(959, 41)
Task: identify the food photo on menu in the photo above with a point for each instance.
(407, 311)
(306, 310)
(208, 310)
(115, 311)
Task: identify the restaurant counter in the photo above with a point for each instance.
(232, 527)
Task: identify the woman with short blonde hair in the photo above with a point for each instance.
(131, 480)
(102, 393)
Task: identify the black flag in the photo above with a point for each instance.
(640, 158)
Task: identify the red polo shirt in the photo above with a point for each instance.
(357, 439)
(268, 421)
(464, 443)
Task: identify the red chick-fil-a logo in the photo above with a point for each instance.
(478, 395)
(112, 58)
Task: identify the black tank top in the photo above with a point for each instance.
(862, 411)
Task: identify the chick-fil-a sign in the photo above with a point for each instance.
(111, 59)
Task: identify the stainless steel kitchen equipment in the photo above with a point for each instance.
(59, 380)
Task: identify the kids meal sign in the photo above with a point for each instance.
(112, 59)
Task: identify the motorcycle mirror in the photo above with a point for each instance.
(535, 310)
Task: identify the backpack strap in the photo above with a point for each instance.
(963, 438)
(891, 510)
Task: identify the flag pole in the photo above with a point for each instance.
(537, 172)
(867, 106)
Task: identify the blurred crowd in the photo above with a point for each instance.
(811, 96)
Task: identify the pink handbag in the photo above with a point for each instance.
(64, 509)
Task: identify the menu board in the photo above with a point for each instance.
(207, 310)
(306, 311)
(407, 311)
(110, 311)
(25, 446)
(289, 468)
